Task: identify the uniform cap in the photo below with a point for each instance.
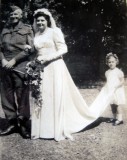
(14, 8)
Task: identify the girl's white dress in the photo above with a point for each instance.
(109, 94)
(64, 110)
(113, 79)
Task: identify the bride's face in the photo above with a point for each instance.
(41, 23)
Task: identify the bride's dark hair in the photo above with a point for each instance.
(39, 14)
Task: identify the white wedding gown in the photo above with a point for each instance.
(64, 111)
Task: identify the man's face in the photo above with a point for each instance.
(15, 16)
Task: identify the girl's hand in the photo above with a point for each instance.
(121, 83)
(115, 89)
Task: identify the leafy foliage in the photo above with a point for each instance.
(92, 27)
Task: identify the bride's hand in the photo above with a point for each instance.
(27, 47)
(43, 58)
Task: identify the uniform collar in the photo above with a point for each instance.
(9, 29)
(18, 26)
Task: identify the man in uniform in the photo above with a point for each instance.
(14, 93)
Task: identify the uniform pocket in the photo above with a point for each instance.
(21, 37)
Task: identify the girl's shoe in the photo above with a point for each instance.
(117, 122)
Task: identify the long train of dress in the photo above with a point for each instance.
(64, 110)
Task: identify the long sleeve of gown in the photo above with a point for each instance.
(60, 45)
(59, 41)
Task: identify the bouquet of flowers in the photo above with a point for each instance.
(34, 76)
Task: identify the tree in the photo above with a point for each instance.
(92, 29)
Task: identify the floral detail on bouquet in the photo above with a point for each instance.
(34, 77)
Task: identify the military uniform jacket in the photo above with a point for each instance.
(13, 42)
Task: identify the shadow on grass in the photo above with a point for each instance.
(96, 123)
(4, 124)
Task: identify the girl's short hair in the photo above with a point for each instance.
(39, 14)
(109, 55)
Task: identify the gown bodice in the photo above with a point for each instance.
(44, 43)
(50, 42)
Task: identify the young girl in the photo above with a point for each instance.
(115, 80)
(112, 93)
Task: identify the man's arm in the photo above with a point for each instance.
(24, 53)
(2, 58)
(29, 42)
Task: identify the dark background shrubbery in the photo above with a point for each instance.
(92, 28)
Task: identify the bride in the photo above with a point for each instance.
(63, 109)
